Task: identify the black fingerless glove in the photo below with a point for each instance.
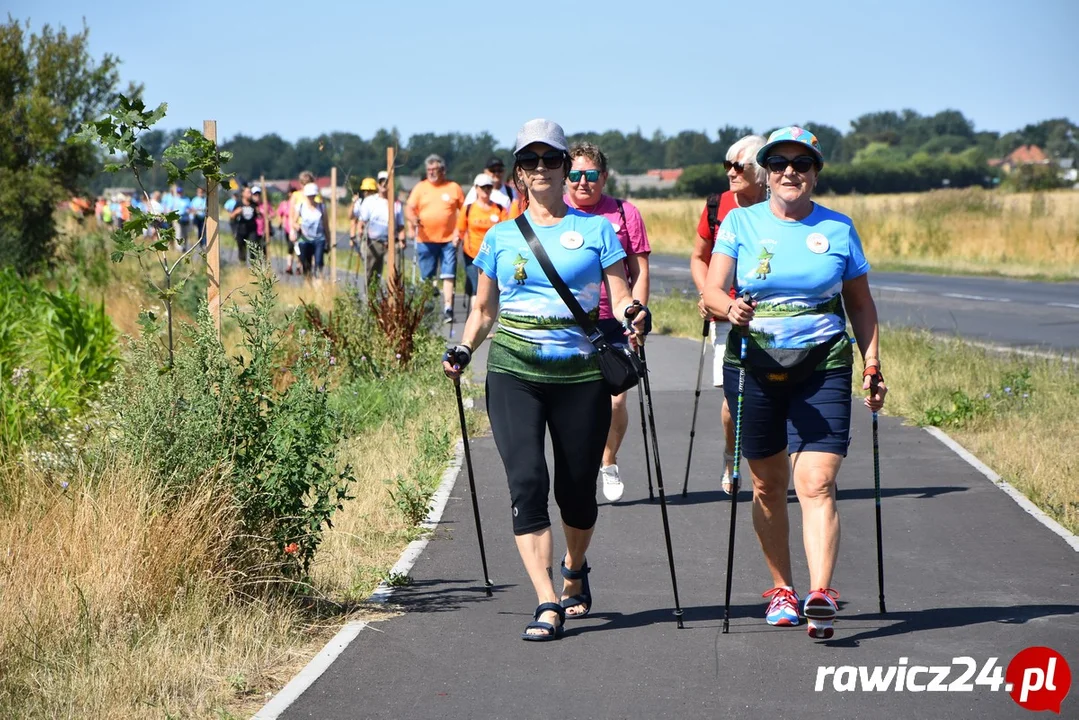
(459, 355)
(631, 312)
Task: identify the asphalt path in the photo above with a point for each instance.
(969, 573)
(1001, 311)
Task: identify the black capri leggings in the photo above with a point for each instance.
(578, 416)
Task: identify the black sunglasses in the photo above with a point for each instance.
(552, 159)
(738, 167)
(801, 164)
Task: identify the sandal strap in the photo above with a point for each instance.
(575, 574)
(550, 607)
(574, 600)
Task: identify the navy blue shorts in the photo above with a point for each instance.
(613, 331)
(813, 415)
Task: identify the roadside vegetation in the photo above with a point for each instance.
(970, 231)
(1016, 413)
(186, 515)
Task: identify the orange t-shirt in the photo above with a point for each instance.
(473, 223)
(517, 207)
(437, 207)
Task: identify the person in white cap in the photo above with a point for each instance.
(374, 217)
(310, 227)
(244, 217)
(543, 372)
(474, 222)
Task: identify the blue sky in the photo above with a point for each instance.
(677, 65)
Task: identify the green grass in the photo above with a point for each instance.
(1015, 412)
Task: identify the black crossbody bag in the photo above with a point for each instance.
(621, 369)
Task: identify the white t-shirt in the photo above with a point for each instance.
(375, 213)
(498, 197)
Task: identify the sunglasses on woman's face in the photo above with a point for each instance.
(552, 159)
(801, 164)
(737, 166)
(589, 175)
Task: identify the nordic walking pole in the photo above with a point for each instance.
(472, 484)
(736, 476)
(696, 402)
(874, 380)
(659, 486)
(644, 439)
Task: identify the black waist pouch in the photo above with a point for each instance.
(783, 366)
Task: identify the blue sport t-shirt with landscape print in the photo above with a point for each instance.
(795, 270)
(537, 337)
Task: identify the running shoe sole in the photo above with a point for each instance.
(820, 617)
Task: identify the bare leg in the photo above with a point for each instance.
(536, 550)
(447, 292)
(577, 542)
(619, 424)
(814, 481)
(771, 475)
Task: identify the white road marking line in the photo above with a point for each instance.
(1020, 499)
(1074, 306)
(961, 296)
(895, 288)
(318, 665)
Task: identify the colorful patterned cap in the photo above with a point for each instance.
(791, 134)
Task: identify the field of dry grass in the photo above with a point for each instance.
(964, 231)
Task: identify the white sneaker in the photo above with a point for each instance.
(612, 484)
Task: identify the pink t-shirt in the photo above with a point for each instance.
(284, 215)
(633, 237)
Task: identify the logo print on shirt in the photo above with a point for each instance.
(764, 266)
(445, 197)
(494, 217)
(817, 243)
(519, 274)
(571, 240)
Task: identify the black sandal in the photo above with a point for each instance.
(584, 597)
(550, 631)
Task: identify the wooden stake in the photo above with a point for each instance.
(391, 197)
(333, 226)
(213, 247)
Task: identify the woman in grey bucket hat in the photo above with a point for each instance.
(543, 372)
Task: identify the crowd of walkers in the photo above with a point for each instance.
(558, 271)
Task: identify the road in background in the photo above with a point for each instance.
(1002, 311)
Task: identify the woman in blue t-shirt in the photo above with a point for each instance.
(542, 371)
(804, 268)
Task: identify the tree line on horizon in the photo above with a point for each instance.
(884, 151)
(54, 85)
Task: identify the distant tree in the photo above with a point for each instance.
(831, 141)
(49, 85)
(728, 135)
(701, 180)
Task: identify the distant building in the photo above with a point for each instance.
(657, 180)
(1022, 155)
(1068, 171)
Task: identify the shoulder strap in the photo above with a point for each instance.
(622, 212)
(556, 280)
(468, 210)
(713, 213)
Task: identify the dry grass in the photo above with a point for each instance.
(113, 603)
(970, 231)
(977, 395)
(110, 607)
